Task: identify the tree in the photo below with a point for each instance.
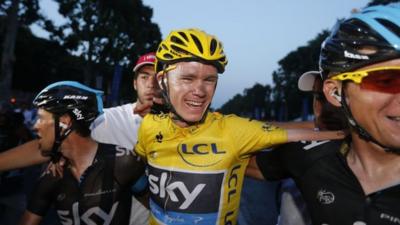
(105, 32)
(16, 13)
(287, 97)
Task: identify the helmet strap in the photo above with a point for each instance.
(362, 133)
(59, 137)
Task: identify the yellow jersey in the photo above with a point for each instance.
(196, 173)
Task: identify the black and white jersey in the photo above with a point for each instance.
(331, 190)
(102, 196)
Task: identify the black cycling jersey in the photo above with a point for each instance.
(331, 190)
(102, 196)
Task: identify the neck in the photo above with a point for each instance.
(80, 151)
(374, 168)
(372, 158)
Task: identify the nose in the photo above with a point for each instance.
(150, 82)
(35, 127)
(199, 89)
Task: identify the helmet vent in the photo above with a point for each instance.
(179, 50)
(213, 46)
(198, 43)
(176, 40)
(168, 56)
(184, 35)
(164, 47)
(390, 26)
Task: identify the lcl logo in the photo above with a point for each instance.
(195, 155)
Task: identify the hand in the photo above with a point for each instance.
(56, 169)
(142, 108)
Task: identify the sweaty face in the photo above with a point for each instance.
(144, 84)
(191, 89)
(377, 112)
(44, 128)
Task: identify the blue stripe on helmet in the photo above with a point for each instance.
(390, 12)
(99, 94)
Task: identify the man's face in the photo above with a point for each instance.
(44, 127)
(377, 112)
(144, 84)
(191, 89)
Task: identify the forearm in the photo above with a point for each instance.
(294, 125)
(311, 135)
(252, 169)
(24, 155)
(29, 218)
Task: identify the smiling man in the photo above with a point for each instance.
(196, 158)
(355, 181)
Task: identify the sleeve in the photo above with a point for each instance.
(294, 159)
(132, 163)
(41, 198)
(270, 164)
(118, 126)
(251, 135)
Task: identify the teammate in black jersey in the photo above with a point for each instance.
(95, 186)
(354, 182)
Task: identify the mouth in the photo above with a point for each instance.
(394, 118)
(195, 104)
(149, 96)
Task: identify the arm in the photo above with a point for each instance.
(311, 135)
(24, 155)
(118, 126)
(252, 169)
(295, 125)
(29, 218)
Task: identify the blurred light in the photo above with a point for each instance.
(13, 100)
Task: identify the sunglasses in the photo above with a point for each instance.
(380, 79)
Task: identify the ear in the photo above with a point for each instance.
(332, 89)
(135, 84)
(65, 121)
(160, 75)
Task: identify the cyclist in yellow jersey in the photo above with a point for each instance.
(196, 158)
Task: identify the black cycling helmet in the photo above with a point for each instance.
(82, 103)
(367, 37)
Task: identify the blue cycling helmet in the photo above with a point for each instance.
(82, 103)
(79, 101)
(367, 37)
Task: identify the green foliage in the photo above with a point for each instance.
(97, 35)
(286, 94)
(253, 103)
(105, 32)
(284, 101)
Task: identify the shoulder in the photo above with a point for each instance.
(295, 158)
(155, 120)
(310, 147)
(47, 182)
(226, 120)
(125, 109)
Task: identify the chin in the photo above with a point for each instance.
(192, 118)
